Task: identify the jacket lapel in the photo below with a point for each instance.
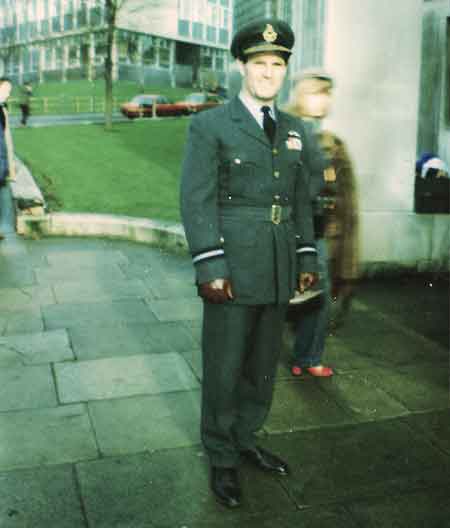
(246, 122)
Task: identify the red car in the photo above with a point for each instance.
(142, 106)
(197, 102)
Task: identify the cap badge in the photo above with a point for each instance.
(269, 34)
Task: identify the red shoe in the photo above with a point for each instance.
(296, 370)
(320, 371)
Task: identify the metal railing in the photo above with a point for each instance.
(63, 105)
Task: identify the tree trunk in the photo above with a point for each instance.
(111, 12)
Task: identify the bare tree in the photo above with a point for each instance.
(112, 8)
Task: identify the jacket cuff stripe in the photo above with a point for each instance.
(207, 255)
(306, 249)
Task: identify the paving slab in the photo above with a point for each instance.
(301, 405)
(114, 312)
(363, 400)
(166, 489)
(40, 498)
(395, 348)
(47, 246)
(87, 258)
(123, 377)
(72, 273)
(45, 437)
(434, 425)
(147, 423)
(95, 342)
(428, 509)
(21, 321)
(16, 299)
(194, 358)
(26, 388)
(95, 291)
(177, 309)
(171, 288)
(357, 462)
(195, 328)
(35, 349)
(17, 277)
(308, 518)
(418, 388)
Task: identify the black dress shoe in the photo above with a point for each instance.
(225, 486)
(266, 461)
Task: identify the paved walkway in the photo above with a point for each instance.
(100, 393)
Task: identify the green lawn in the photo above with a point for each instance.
(133, 170)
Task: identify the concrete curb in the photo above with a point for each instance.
(32, 221)
(165, 235)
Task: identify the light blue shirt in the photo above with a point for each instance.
(255, 108)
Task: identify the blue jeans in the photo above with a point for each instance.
(313, 324)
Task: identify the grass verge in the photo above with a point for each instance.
(133, 170)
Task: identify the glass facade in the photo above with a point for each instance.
(39, 36)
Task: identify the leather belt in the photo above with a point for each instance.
(275, 213)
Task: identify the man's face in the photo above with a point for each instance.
(5, 91)
(263, 74)
(313, 97)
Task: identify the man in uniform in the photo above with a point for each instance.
(247, 215)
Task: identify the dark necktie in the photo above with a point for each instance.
(268, 123)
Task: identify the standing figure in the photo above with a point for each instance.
(26, 93)
(7, 166)
(335, 224)
(248, 220)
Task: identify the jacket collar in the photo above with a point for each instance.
(247, 123)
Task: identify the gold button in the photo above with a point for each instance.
(276, 174)
(275, 151)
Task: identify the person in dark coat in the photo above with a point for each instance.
(247, 215)
(26, 92)
(7, 165)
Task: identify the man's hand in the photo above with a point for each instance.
(217, 291)
(306, 280)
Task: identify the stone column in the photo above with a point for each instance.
(172, 64)
(41, 67)
(91, 65)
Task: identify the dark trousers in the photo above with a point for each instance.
(241, 346)
(25, 108)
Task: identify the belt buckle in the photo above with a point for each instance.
(275, 215)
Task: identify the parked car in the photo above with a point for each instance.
(142, 106)
(197, 102)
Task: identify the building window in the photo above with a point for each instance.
(197, 30)
(164, 52)
(55, 8)
(69, 16)
(206, 58)
(224, 36)
(100, 48)
(220, 60)
(49, 58)
(74, 55)
(96, 14)
(183, 28)
(211, 34)
(148, 51)
(82, 14)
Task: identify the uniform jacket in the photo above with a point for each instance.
(231, 178)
